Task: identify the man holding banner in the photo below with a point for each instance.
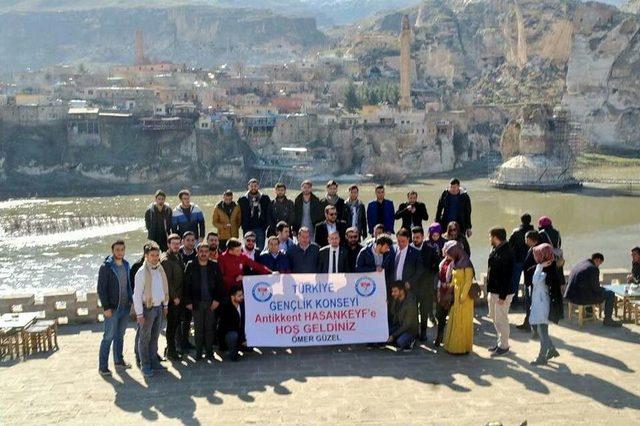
(315, 309)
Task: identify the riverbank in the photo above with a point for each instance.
(594, 380)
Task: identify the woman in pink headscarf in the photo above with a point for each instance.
(546, 300)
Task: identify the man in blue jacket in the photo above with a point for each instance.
(378, 256)
(380, 211)
(115, 296)
(188, 217)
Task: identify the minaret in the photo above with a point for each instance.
(139, 48)
(419, 19)
(405, 65)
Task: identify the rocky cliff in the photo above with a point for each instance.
(497, 52)
(39, 160)
(196, 35)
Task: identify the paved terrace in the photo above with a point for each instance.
(595, 381)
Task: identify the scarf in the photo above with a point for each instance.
(227, 208)
(332, 200)
(543, 253)
(254, 204)
(443, 271)
(461, 260)
(148, 294)
(348, 204)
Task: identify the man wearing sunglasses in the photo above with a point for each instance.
(330, 224)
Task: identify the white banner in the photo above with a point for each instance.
(285, 310)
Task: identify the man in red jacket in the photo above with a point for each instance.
(232, 263)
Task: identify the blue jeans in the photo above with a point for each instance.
(404, 340)
(232, 344)
(114, 329)
(515, 279)
(545, 341)
(148, 338)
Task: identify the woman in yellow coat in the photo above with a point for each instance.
(458, 336)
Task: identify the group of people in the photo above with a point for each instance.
(190, 277)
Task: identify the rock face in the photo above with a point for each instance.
(498, 52)
(38, 159)
(196, 35)
(602, 76)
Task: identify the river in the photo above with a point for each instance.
(61, 242)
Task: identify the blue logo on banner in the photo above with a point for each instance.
(261, 292)
(365, 286)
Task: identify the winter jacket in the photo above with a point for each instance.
(500, 271)
(387, 219)
(191, 219)
(339, 205)
(158, 224)
(109, 286)
(230, 320)
(250, 222)
(518, 243)
(366, 262)
(232, 267)
(280, 263)
(404, 316)
(361, 214)
(280, 209)
(552, 235)
(584, 287)
(304, 261)
(221, 219)
(317, 214)
(464, 213)
(408, 218)
(192, 282)
(174, 269)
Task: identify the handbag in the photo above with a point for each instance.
(475, 291)
(445, 296)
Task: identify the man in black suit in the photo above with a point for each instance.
(330, 224)
(355, 212)
(333, 258)
(412, 212)
(425, 290)
(408, 266)
(231, 327)
(353, 246)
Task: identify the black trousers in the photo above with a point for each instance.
(204, 327)
(174, 318)
(441, 318)
(185, 326)
(424, 296)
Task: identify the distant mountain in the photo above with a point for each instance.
(327, 12)
(196, 35)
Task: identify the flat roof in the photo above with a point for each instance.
(84, 110)
(293, 149)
